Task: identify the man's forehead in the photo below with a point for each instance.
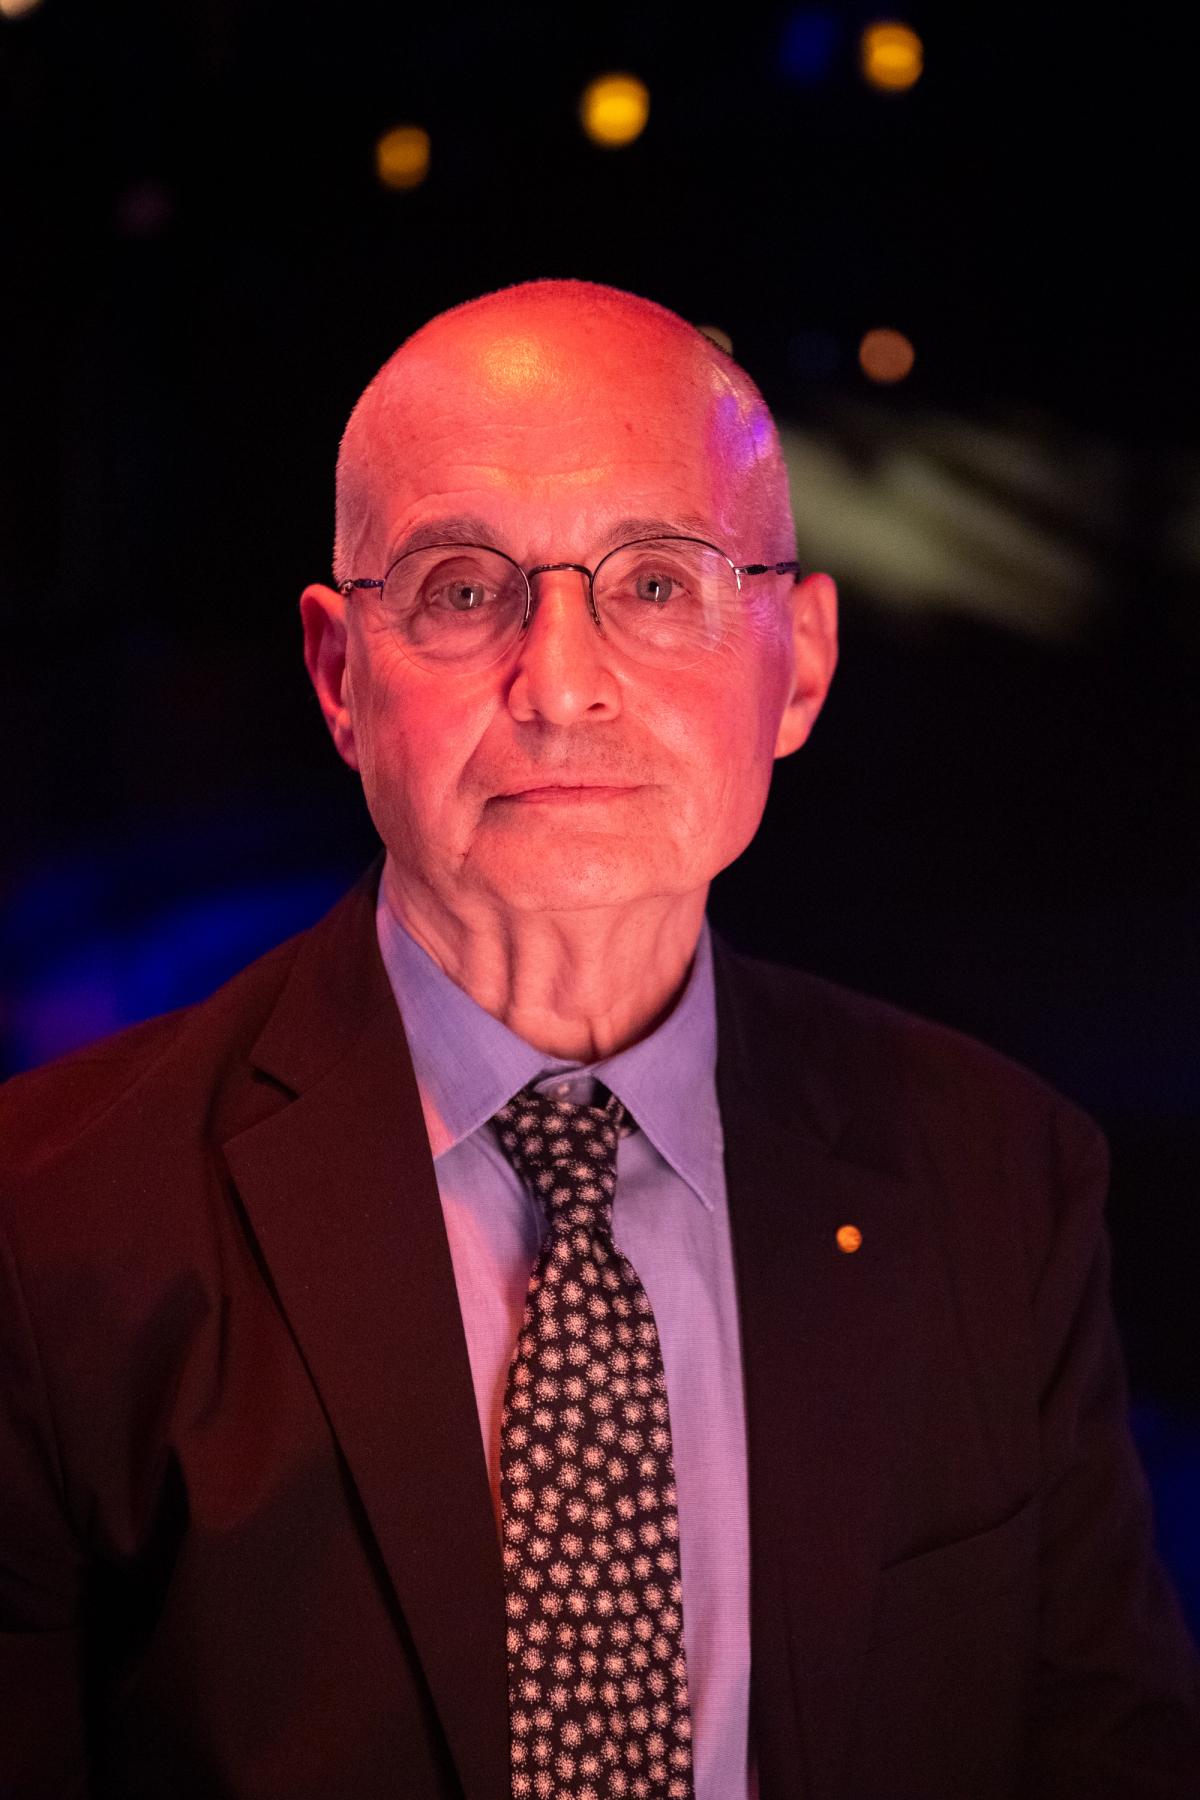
(518, 383)
(550, 401)
(512, 365)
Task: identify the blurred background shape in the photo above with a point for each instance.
(885, 355)
(402, 156)
(614, 109)
(892, 56)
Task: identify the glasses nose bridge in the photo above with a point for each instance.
(559, 569)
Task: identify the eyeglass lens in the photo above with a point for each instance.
(665, 602)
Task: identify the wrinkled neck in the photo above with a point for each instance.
(580, 985)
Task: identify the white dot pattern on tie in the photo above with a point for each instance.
(598, 1694)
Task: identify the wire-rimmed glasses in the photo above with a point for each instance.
(662, 601)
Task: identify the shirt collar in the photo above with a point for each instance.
(468, 1064)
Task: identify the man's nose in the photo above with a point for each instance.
(563, 670)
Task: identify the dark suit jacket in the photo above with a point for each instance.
(247, 1547)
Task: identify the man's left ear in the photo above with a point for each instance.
(814, 642)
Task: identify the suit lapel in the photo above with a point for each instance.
(340, 1191)
(822, 1332)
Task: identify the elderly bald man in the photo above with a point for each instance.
(504, 1342)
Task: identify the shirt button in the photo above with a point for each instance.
(562, 1090)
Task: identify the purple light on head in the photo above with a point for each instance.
(760, 433)
(739, 433)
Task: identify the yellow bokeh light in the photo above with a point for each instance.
(849, 1239)
(614, 109)
(13, 9)
(886, 355)
(402, 156)
(892, 56)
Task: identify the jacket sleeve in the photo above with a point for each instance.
(1116, 1712)
(42, 1753)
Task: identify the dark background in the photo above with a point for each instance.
(994, 823)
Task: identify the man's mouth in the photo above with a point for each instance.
(567, 792)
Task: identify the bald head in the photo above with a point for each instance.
(549, 362)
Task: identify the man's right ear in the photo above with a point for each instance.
(323, 613)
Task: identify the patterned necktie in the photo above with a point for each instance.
(598, 1697)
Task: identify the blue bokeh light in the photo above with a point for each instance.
(807, 45)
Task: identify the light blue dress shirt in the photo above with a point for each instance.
(671, 1220)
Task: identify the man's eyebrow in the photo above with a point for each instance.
(684, 525)
(463, 528)
(468, 528)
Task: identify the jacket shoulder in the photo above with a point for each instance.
(47, 1113)
(874, 1047)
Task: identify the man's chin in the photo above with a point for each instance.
(565, 876)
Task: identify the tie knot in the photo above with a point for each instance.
(564, 1153)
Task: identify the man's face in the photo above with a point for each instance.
(561, 443)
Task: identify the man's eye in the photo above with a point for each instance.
(459, 596)
(655, 587)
